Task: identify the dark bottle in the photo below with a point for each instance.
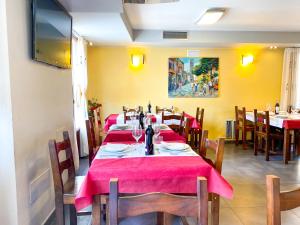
(277, 108)
(289, 109)
(149, 140)
(149, 107)
(141, 120)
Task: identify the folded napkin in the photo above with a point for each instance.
(119, 127)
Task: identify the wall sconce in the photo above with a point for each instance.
(137, 60)
(247, 59)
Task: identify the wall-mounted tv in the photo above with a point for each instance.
(52, 33)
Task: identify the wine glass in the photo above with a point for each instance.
(156, 130)
(137, 133)
(132, 117)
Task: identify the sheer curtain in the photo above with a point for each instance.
(290, 87)
(79, 76)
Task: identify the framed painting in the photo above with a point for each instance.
(193, 77)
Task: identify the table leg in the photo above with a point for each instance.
(160, 218)
(215, 209)
(286, 146)
(96, 211)
(167, 219)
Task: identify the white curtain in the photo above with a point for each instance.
(79, 76)
(290, 86)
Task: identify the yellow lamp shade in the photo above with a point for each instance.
(247, 59)
(137, 60)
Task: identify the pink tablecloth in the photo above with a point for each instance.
(126, 135)
(193, 122)
(291, 124)
(110, 120)
(150, 174)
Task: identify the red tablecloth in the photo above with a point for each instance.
(150, 174)
(291, 124)
(126, 135)
(110, 120)
(193, 122)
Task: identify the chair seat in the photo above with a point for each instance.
(71, 188)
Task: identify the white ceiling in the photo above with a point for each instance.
(107, 22)
(242, 15)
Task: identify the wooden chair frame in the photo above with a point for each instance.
(241, 124)
(128, 118)
(262, 131)
(175, 127)
(165, 109)
(92, 144)
(126, 206)
(196, 134)
(218, 147)
(279, 201)
(64, 193)
(137, 109)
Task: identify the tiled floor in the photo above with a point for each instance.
(246, 173)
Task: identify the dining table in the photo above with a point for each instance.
(288, 122)
(167, 170)
(118, 118)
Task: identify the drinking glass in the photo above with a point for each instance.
(137, 133)
(269, 107)
(156, 130)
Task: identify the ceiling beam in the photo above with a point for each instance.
(155, 37)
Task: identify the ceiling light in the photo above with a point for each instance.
(211, 16)
(273, 47)
(91, 43)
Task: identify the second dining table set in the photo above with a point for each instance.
(272, 132)
(174, 178)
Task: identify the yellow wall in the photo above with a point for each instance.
(114, 83)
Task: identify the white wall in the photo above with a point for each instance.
(8, 200)
(42, 107)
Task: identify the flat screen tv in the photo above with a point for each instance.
(52, 33)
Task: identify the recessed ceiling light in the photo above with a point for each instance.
(273, 47)
(211, 16)
(91, 43)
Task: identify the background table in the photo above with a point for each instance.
(288, 122)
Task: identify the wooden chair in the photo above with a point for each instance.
(160, 110)
(196, 134)
(242, 124)
(176, 127)
(97, 125)
(128, 118)
(262, 131)
(217, 148)
(185, 128)
(92, 144)
(137, 109)
(64, 192)
(190, 206)
(279, 201)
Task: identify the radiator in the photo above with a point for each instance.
(229, 126)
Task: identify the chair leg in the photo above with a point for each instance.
(73, 215)
(267, 147)
(215, 209)
(244, 136)
(255, 144)
(237, 136)
(60, 214)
